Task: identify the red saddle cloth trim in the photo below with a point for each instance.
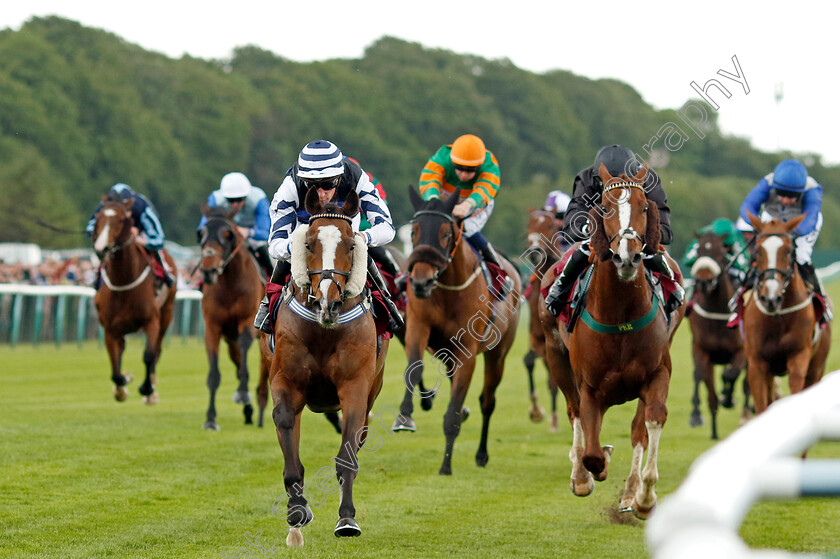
(497, 276)
(157, 269)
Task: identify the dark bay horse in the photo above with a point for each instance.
(779, 318)
(544, 249)
(712, 342)
(452, 312)
(126, 300)
(232, 291)
(620, 350)
(326, 353)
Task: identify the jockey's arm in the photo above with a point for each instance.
(377, 213)
(262, 222)
(811, 206)
(151, 235)
(752, 204)
(283, 220)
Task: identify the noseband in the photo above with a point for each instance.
(206, 251)
(628, 233)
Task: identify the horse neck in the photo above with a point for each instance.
(614, 300)
(461, 266)
(239, 267)
(795, 292)
(127, 264)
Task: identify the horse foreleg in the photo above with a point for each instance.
(639, 441)
(115, 346)
(494, 366)
(150, 358)
(353, 399)
(287, 410)
(591, 416)
(797, 367)
(656, 413)
(582, 482)
(701, 366)
(241, 396)
(536, 412)
(416, 340)
(555, 419)
(454, 413)
(262, 388)
(212, 336)
(761, 383)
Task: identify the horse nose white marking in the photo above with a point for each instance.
(102, 240)
(330, 236)
(624, 211)
(109, 212)
(771, 246)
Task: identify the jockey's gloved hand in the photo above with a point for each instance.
(554, 301)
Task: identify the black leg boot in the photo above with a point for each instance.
(555, 301)
(278, 276)
(396, 321)
(809, 276)
(658, 263)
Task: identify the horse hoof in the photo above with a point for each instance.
(211, 426)
(536, 413)
(727, 402)
(120, 393)
(445, 471)
(642, 513)
(582, 489)
(465, 414)
(146, 389)
(404, 423)
(295, 538)
(151, 399)
(241, 398)
(696, 420)
(426, 403)
(481, 459)
(608, 450)
(347, 528)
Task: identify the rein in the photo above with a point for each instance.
(108, 254)
(448, 259)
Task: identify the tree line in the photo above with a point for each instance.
(82, 109)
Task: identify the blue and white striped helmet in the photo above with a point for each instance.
(320, 160)
(120, 192)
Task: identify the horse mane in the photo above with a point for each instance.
(358, 271)
(653, 235)
(298, 256)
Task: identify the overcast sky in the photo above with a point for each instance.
(657, 47)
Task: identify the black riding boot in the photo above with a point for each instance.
(490, 255)
(396, 321)
(168, 278)
(809, 276)
(263, 259)
(555, 301)
(278, 276)
(658, 263)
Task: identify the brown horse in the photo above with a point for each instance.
(326, 352)
(712, 342)
(779, 319)
(452, 312)
(232, 291)
(620, 350)
(126, 300)
(544, 249)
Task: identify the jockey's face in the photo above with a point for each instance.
(788, 200)
(465, 176)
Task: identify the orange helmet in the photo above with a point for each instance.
(468, 150)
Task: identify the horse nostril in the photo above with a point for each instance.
(637, 259)
(335, 307)
(616, 259)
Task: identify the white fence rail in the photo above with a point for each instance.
(758, 461)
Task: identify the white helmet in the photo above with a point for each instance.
(235, 185)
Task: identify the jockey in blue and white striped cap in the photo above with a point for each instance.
(320, 160)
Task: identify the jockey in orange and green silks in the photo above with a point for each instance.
(468, 170)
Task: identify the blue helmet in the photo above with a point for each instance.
(790, 175)
(120, 192)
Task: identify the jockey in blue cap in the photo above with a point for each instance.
(146, 224)
(786, 193)
(236, 193)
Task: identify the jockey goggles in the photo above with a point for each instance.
(235, 200)
(465, 168)
(322, 184)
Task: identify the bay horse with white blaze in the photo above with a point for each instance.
(232, 291)
(544, 249)
(126, 300)
(326, 355)
(452, 311)
(712, 342)
(621, 349)
(780, 325)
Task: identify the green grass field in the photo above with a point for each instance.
(84, 476)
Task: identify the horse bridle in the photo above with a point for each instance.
(454, 226)
(629, 233)
(109, 251)
(787, 274)
(205, 251)
(330, 273)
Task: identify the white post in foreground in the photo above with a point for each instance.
(759, 461)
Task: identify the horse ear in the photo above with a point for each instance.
(416, 200)
(351, 204)
(642, 174)
(653, 233)
(756, 223)
(604, 174)
(312, 202)
(451, 202)
(598, 241)
(794, 223)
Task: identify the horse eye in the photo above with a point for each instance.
(308, 247)
(645, 209)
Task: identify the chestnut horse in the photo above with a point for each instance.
(126, 300)
(544, 249)
(779, 319)
(326, 353)
(452, 312)
(712, 342)
(620, 351)
(232, 291)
